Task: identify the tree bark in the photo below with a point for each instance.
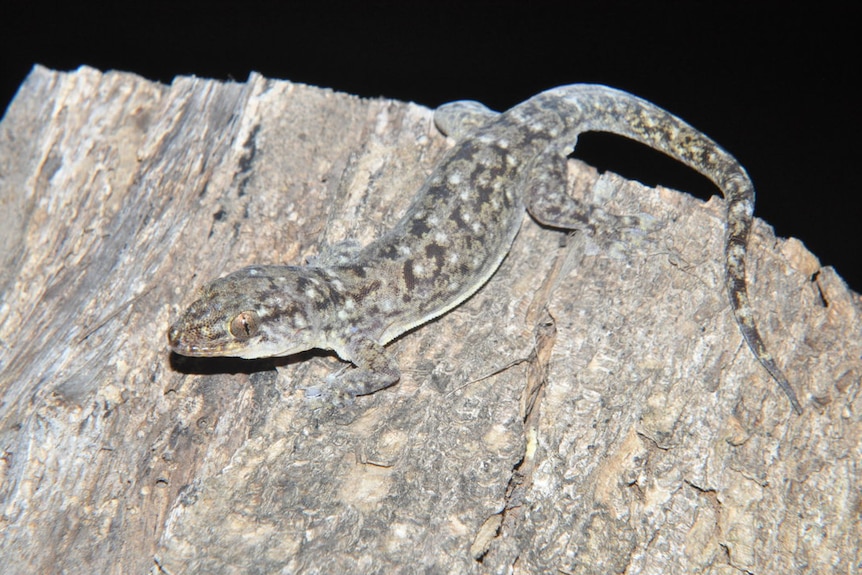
(593, 409)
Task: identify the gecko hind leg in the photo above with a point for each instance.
(550, 205)
(459, 119)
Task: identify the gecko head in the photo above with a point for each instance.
(258, 311)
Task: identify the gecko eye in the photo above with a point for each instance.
(244, 325)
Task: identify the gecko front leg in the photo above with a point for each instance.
(375, 369)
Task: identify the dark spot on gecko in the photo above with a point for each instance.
(407, 274)
(531, 137)
(389, 252)
(366, 290)
(419, 227)
(357, 270)
(439, 192)
(437, 252)
(375, 310)
(219, 215)
(484, 193)
(304, 283)
(330, 300)
(467, 152)
(456, 217)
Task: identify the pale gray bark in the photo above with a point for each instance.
(593, 409)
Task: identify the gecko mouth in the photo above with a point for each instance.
(178, 342)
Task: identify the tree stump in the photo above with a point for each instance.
(593, 409)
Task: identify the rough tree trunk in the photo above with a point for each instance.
(592, 410)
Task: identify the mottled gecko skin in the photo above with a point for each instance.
(453, 237)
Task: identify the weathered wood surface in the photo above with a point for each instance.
(592, 410)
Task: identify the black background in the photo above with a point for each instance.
(774, 83)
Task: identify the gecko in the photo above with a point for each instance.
(453, 237)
